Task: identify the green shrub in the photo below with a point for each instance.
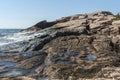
(117, 16)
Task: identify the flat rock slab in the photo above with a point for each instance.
(3, 70)
(31, 62)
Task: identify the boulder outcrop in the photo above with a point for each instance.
(41, 25)
(83, 46)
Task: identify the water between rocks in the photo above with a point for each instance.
(12, 42)
(9, 69)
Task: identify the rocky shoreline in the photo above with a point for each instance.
(78, 47)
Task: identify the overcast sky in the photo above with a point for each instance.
(25, 13)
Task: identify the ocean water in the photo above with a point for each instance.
(5, 33)
(11, 39)
(12, 43)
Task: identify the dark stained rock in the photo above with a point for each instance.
(38, 44)
(44, 24)
(41, 25)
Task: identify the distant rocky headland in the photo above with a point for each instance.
(78, 47)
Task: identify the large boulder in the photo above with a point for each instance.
(41, 25)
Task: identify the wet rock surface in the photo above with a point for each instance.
(84, 46)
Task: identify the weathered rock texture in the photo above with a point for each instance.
(84, 46)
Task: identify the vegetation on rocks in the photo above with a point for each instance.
(117, 16)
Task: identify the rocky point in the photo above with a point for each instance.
(78, 47)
